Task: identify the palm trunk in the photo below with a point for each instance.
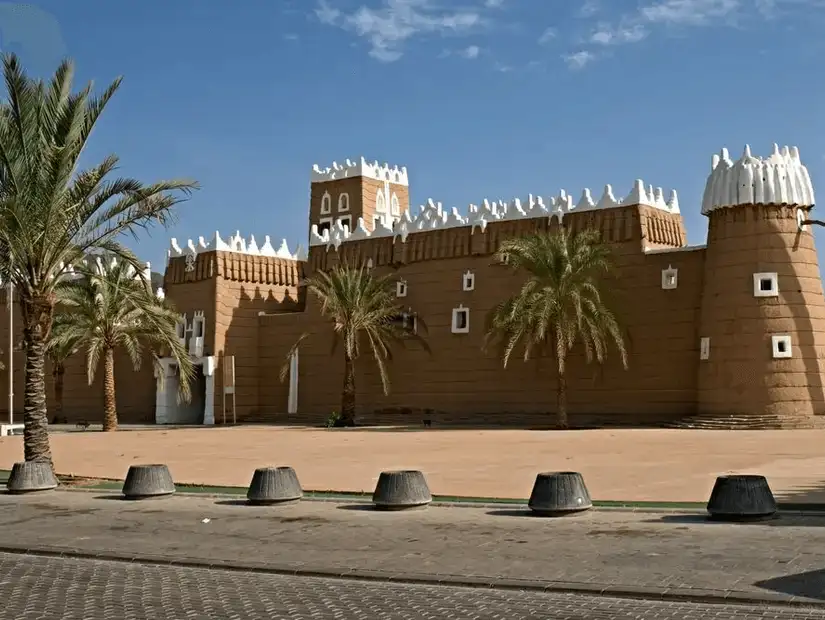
(37, 317)
(59, 372)
(109, 398)
(348, 394)
(561, 395)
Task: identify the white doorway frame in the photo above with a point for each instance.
(166, 403)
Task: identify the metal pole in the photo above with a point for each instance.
(10, 301)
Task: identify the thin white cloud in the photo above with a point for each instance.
(390, 27)
(471, 52)
(588, 8)
(548, 35)
(605, 34)
(494, 4)
(578, 60)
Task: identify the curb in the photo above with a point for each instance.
(691, 595)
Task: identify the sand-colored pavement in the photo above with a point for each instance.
(625, 465)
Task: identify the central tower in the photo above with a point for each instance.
(344, 194)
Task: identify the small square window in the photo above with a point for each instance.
(468, 281)
(461, 320)
(401, 288)
(765, 285)
(670, 278)
(781, 346)
(346, 222)
(704, 348)
(324, 225)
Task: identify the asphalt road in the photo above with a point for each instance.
(60, 588)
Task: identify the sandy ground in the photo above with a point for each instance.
(628, 465)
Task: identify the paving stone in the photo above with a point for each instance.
(55, 588)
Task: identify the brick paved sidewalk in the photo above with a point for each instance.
(652, 553)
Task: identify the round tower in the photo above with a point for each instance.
(762, 315)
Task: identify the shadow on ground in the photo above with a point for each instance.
(810, 584)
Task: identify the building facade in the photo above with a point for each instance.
(728, 333)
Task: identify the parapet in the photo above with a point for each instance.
(236, 243)
(433, 216)
(360, 168)
(780, 179)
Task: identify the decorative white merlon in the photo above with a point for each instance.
(359, 168)
(235, 243)
(781, 179)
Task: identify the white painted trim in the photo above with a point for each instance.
(704, 348)
(343, 205)
(766, 276)
(326, 204)
(781, 346)
(670, 278)
(454, 327)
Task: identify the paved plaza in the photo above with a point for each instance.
(78, 589)
(625, 465)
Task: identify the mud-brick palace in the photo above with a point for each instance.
(727, 333)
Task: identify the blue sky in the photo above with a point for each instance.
(478, 98)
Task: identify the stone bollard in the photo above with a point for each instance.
(741, 497)
(398, 490)
(30, 477)
(274, 485)
(560, 493)
(147, 481)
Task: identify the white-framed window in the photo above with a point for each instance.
(781, 346)
(461, 320)
(670, 278)
(180, 329)
(343, 202)
(704, 348)
(325, 223)
(401, 288)
(468, 281)
(326, 204)
(380, 202)
(765, 285)
(198, 329)
(395, 208)
(346, 222)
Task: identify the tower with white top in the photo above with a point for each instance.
(762, 314)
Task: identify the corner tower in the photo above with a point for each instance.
(762, 327)
(344, 194)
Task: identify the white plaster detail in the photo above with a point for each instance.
(198, 333)
(395, 208)
(670, 278)
(292, 397)
(380, 202)
(781, 347)
(180, 329)
(190, 263)
(781, 179)
(461, 320)
(346, 222)
(343, 202)
(326, 204)
(801, 216)
(360, 167)
(704, 348)
(160, 294)
(401, 288)
(765, 284)
(166, 401)
(468, 281)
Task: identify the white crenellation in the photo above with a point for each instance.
(781, 179)
(433, 215)
(360, 167)
(238, 244)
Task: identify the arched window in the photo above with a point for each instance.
(343, 202)
(395, 208)
(380, 202)
(326, 203)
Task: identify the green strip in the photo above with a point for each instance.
(100, 484)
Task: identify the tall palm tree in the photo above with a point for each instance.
(109, 307)
(363, 311)
(560, 304)
(52, 214)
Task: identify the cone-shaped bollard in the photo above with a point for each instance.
(274, 485)
(397, 490)
(559, 493)
(147, 481)
(743, 497)
(31, 476)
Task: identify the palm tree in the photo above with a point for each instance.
(111, 307)
(363, 311)
(58, 353)
(52, 214)
(559, 305)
